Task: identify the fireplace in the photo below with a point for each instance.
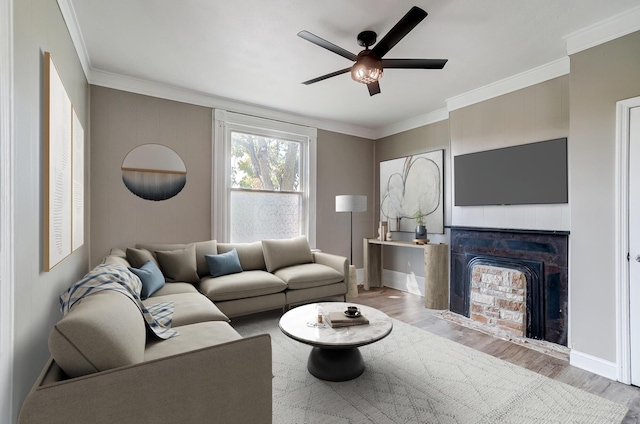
(534, 265)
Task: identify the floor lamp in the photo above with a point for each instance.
(351, 203)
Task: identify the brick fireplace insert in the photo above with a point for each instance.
(540, 258)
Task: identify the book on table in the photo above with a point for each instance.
(339, 319)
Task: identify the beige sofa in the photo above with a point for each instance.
(275, 273)
(106, 368)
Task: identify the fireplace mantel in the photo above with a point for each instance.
(509, 230)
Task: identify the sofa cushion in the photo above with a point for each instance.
(175, 288)
(308, 275)
(208, 247)
(250, 254)
(151, 278)
(138, 257)
(224, 263)
(282, 253)
(179, 264)
(189, 308)
(192, 337)
(102, 331)
(241, 285)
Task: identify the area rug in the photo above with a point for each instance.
(413, 376)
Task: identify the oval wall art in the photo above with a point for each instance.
(154, 172)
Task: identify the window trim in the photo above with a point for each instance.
(224, 122)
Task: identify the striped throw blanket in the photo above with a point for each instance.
(118, 278)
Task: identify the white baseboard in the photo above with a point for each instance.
(409, 283)
(594, 364)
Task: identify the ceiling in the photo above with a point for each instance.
(248, 50)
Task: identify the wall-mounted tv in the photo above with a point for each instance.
(534, 173)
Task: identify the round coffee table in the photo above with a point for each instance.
(335, 355)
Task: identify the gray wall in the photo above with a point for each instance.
(419, 140)
(536, 113)
(39, 27)
(345, 166)
(122, 121)
(600, 76)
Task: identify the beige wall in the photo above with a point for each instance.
(38, 27)
(536, 113)
(121, 121)
(600, 76)
(419, 140)
(345, 166)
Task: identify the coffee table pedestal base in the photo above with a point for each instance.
(335, 364)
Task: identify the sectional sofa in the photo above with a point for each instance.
(106, 366)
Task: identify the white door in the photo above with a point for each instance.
(634, 242)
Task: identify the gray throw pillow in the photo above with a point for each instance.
(282, 253)
(138, 257)
(207, 247)
(179, 264)
(250, 254)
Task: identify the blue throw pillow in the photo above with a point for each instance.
(224, 263)
(151, 277)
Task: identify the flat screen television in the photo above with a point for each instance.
(534, 173)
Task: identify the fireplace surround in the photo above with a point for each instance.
(542, 256)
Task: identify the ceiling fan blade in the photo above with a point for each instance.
(414, 63)
(398, 32)
(327, 45)
(374, 88)
(324, 77)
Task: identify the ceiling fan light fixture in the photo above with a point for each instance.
(367, 69)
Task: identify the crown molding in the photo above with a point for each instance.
(601, 32)
(516, 82)
(134, 85)
(164, 91)
(609, 29)
(70, 18)
(411, 123)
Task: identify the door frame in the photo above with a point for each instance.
(7, 145)
(623, 335)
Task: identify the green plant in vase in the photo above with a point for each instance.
(421, 230)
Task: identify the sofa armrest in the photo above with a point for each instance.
(229, 383)
(339, 263)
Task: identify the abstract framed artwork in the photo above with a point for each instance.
(412, 186)
(58, 167)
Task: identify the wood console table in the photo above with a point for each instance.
(436, 269)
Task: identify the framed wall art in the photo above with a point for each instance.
(154, 172)
(58, 165)
(77, 213)
(412, 187)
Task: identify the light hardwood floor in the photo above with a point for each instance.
(409, 308)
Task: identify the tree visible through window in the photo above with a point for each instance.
(262, 163)
(266, 199)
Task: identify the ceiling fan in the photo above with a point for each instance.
(369, 64)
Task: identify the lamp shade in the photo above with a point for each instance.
(351, 203)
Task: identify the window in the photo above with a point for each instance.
(263, 179)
